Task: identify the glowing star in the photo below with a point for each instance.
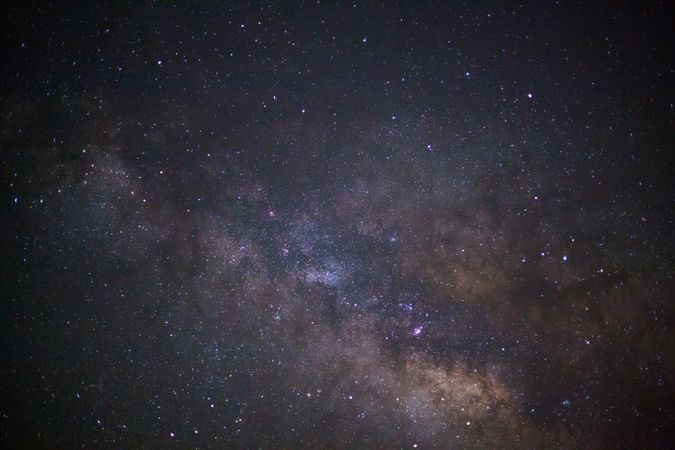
(417, 331)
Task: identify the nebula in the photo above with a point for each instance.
(338, 226)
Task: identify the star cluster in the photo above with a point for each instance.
(351, 225)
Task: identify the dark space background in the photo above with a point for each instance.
(337, 225)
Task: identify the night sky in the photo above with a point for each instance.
(337, 225)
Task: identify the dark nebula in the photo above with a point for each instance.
(337, 225)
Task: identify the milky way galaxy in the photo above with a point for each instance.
(351, 225)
